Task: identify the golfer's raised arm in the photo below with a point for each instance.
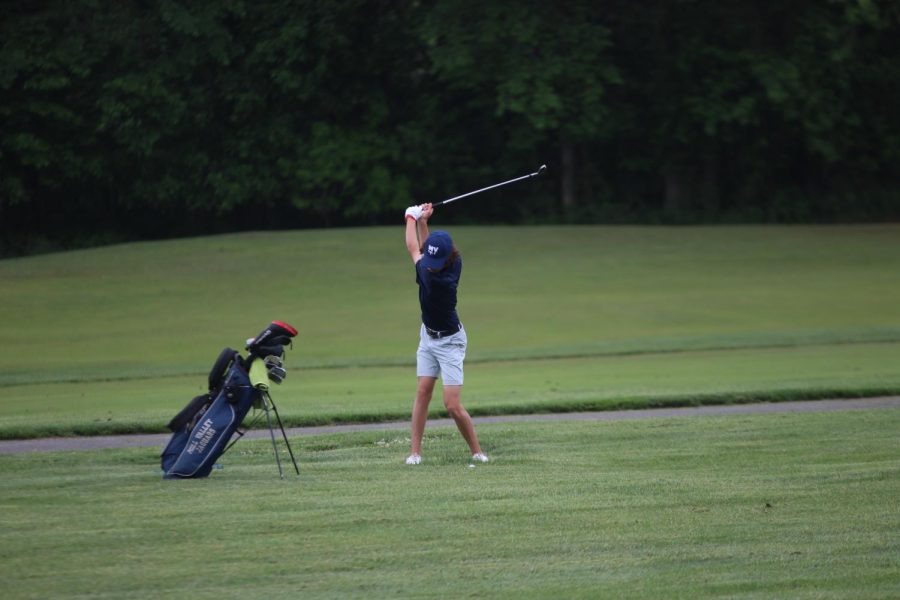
(412, 242)
(422, 223)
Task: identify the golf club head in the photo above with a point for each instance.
(542, 170)
(275, 368)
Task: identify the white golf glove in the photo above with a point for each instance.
(415, 212)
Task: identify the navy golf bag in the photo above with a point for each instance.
(201, 431)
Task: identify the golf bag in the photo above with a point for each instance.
(201, 432)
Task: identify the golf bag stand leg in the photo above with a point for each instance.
(266, 402)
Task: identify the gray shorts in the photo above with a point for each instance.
(442, 357)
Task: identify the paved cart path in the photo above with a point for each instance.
(160, 439)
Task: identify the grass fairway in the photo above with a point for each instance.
(773, 506)
(117, 339)
(321, 396)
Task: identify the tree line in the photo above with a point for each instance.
(143, 119)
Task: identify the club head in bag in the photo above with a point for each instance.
(275, 368)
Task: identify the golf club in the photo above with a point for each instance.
(496, 185)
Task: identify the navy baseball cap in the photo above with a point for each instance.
(436, 249)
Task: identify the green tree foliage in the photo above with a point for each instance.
(159, 117)
(541, 71)
(153, 118)
(776, 111)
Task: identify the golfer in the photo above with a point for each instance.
(442, 339)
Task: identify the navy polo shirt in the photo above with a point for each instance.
(437, 296)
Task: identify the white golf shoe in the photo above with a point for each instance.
(480, 457)
(413, 459)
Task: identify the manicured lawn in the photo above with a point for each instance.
(319, 396)
(773, 506)
(119, 338)
(164, 308)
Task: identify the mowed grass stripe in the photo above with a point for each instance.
(754, 506)
(130, 331)
(162, 308)
(640, 347)
(323, 396)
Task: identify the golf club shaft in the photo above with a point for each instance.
(490, 187)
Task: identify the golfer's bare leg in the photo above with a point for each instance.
(424, 390)
(461, 416)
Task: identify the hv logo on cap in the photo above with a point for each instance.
(438, 247)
